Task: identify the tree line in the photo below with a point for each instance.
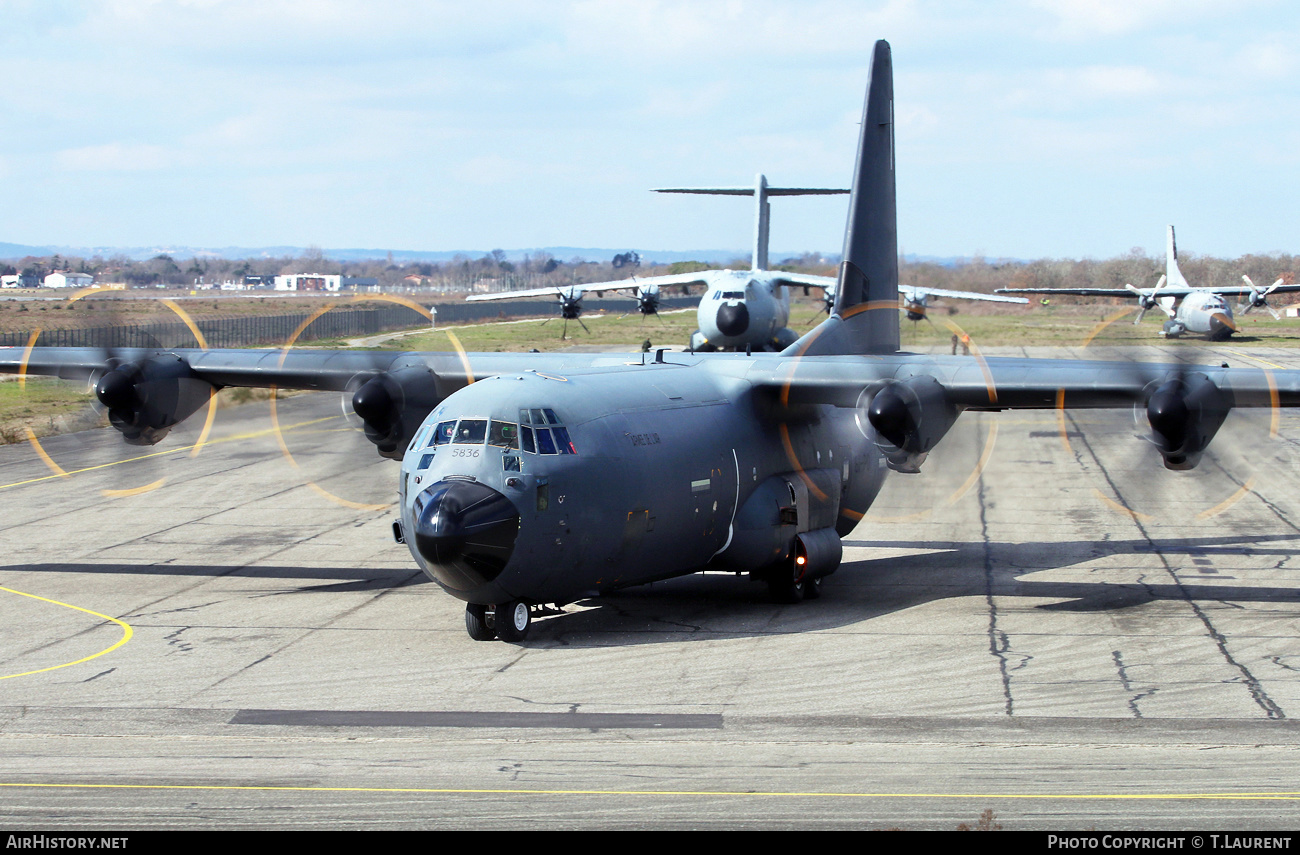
(494, 271)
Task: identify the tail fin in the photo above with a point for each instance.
(1173, 276)
(865, 319)
(763, 209)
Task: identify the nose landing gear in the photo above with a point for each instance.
(507, 621)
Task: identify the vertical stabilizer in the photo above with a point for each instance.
(865, 319)
(762, 221)
(1173, 276)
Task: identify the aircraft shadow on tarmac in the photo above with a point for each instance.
(716, 605)
(713, 606)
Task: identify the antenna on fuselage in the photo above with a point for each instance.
(762, 208)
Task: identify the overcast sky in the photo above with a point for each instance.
(1025, 129)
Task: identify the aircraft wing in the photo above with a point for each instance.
(630, 284)
(911, 400)
(549, 291)
(909, 291)
(992, 383)
(1243, 290)
(668, 280)
(998, 383)
(805, 280)
(1166, 291)
(912, 292)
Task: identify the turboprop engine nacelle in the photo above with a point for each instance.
(909, 417)
(392, 405)
(146, 399)
(1185, 413)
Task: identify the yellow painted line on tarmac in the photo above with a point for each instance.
(504, 791)
(1260, 361)
(236, 438)
(127, 632)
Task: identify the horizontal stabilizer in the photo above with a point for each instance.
(749, 191)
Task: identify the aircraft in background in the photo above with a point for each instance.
(1200, 311)
(740, 309)
(532, 479)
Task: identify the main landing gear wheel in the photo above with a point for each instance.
(512, 621)
(812, 588)
(477, 624)
(788, 585)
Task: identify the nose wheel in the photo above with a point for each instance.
(507, 621)
(478, 624)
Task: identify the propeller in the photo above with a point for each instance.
(382, 409)
(1259, 299)
(143, 391)
(1149, 301)
(1182, 419)
(944, 453)
(570, 310)
(647, 302)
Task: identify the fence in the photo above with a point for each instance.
(276, 330)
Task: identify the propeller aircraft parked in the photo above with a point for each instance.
(529, 479)
(1200, 311)
(742, 309)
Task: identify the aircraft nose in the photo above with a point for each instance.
(466, 531)
(1220, 326)
(733, 320)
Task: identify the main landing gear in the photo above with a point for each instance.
(789, 584)
(506, 621)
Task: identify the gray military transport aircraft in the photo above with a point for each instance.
(530, 479)
(740, 309)
(1200, 311)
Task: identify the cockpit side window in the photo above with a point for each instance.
(443, 433)
(470, 432)
(418, 439)
(526, 436)
(504, 434)
(562, 441)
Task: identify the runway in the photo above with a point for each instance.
(1044, 624)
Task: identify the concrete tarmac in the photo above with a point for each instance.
(1044, 624)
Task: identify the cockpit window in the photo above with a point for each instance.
(417, 440)
(562, 441)
(470, 432)
(733, 295)
(443, 433)
(504, 434)
(535, 439)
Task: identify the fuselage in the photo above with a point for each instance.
(1201, 313)
(743, 308)
(548, 488)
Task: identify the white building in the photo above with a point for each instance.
(68, 279)
(308, 282)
